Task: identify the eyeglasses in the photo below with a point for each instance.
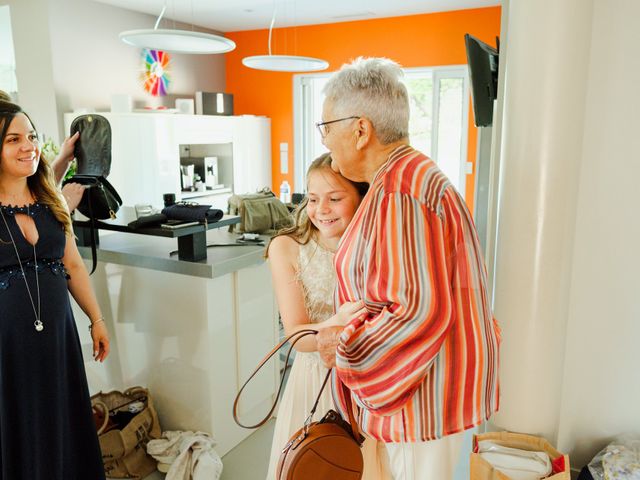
(324, 130)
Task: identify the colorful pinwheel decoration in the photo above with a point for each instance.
(155, 76)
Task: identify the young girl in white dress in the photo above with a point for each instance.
(304, 279)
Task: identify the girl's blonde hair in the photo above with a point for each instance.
(41, 184)
(303, 229)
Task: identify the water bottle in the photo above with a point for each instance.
(285, 192)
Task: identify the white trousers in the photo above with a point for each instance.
(434, 460)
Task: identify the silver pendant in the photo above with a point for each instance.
(39, 326)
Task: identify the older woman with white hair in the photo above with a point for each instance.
(422, 364)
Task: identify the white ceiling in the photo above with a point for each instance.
(235, 15)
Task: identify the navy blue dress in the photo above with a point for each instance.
(46, 426)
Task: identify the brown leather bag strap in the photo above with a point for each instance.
(352, 421)
(355, 430)
(293, 338)
(315, 405)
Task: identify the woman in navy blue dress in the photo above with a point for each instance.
(46, 425)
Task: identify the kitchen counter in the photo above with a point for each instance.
(152, 253)
(191, 332)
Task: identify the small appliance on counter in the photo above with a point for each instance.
(204, 169)
(210, 174)
(187, 173)
(214, 103)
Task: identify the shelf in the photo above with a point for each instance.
(187, 195)
(191, 240)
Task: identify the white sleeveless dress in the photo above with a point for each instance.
(316, 273)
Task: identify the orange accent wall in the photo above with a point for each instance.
(413, 41)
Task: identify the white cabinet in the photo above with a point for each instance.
(192, 341)
(252, 143)
(147, 149)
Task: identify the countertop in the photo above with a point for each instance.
(150, 252)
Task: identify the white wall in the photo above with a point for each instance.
(68, 51)
(7, 56)
(567, 272)
(542, 134)
(34, 70)
(601, 388)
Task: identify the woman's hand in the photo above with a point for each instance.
(73, 193)
(100, 340)
(61, 163)
(327, 340)
(67, 148)
(346, 313)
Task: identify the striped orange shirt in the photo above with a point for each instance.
(424, 363)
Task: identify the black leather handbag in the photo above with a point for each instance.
(100, 200)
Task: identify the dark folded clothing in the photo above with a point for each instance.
(148, 221)
(193, 213)
(585, 474)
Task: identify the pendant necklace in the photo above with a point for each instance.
(38, 323)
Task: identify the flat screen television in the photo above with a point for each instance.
(483, 70)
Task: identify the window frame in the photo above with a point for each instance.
(303, 111)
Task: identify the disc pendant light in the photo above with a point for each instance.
(177, 41)
(283, 63)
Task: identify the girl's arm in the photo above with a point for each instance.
(283, 257)
(82, 292)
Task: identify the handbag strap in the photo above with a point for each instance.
(315, 404)
(92, 222)
(102, 408)
(100, 183)
(294, 338)
(355, 431)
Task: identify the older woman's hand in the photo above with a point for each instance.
(327, 341)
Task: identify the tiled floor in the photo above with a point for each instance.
(250, 459)
(257, 448)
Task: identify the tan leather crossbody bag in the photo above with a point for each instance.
(328, 448)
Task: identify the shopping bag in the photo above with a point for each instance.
(481, 469)
(125, 428)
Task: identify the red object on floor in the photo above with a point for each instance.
(558, 465)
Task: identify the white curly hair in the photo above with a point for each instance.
(371, 88)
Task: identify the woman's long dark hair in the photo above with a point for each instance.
(41, 183)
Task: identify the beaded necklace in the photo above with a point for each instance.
(38, 323)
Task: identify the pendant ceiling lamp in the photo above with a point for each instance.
(283, 63)
(177, 41)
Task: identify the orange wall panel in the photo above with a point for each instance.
(427, 40)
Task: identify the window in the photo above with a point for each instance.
(437, 125)
(8, 81)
